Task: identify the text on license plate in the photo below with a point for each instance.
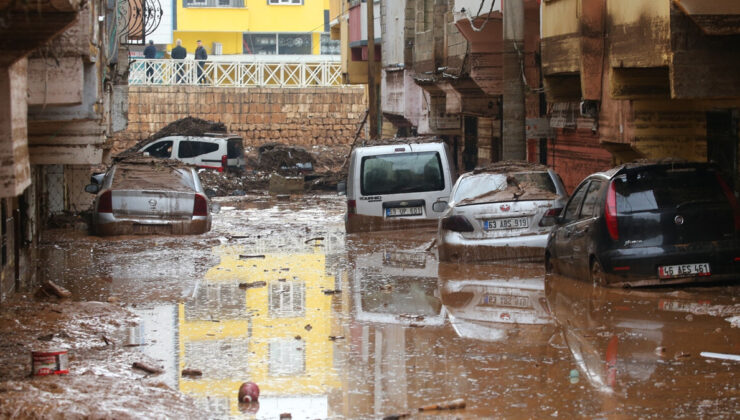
(684, 270)
(403, 211)
(506, 300)
(508, 223)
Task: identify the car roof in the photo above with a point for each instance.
(643, 165)
(510, 166)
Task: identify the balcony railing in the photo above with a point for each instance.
(234, 74)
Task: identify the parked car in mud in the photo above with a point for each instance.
(404, 183)
(145, 195)
(649, 223)
(503, 211)
(223, 152)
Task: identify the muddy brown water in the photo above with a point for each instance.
(353, 326)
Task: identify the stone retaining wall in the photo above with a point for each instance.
(304, 117)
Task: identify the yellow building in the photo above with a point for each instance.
(260, 27)
(275, 334)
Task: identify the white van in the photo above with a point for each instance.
(398, 185)
(212, 150)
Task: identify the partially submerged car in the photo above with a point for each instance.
(649, 223)
(142, 195)
(219, 151)
(398, 184)
(503, 211)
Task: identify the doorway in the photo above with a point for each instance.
(722, 141)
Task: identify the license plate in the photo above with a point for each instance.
(506, 300)
(403, 211)
(404, 259)
(684, 270)
(508, 223)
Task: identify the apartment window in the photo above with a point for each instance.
(213, 3)
(284, 44)
(285, 2)
(328, 45)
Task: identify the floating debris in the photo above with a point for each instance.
(318, 238)
(449, 405)
(246, 257)
(332, 292)
(336, 337)
(252, 285)
(191, 372)
(148, 368)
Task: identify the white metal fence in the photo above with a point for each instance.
(235, 74)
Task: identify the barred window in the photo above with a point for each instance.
(288, 2)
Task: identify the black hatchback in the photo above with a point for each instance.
(645, 224)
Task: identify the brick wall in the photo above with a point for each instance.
(303, 117)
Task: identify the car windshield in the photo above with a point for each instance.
(402, 173)
(653, 190)
(487, 184)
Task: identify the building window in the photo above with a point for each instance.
(285, 44)
(285, 2)
(329, 46)
(213, 3)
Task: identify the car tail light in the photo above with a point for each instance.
(457, 224)
(549, 218)
(732, 199)
(200, 206)
(224, 163)
(610, 212)
(351, 207)
(105, 203)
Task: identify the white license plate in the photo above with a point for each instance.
(506, 300)
(402, 211)
(684, 270)
(508, 223)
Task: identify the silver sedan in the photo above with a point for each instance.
(144, 196)
(503, 211)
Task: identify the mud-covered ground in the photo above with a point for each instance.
(366, 325)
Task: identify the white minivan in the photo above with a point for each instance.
(398, 185)
(211, 150)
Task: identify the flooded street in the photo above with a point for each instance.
(367, 325)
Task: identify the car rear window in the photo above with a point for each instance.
(190, 149)
(486, 183)
(654, 190)
(234, 148)
(141, 177)
(401, 173)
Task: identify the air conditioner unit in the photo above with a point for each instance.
(589, 108)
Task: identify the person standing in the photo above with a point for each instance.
(179, 53)
(150, 53)
(201, 56)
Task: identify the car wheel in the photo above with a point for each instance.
(598, 277)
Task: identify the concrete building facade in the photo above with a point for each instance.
(641, 79)
(62, 95)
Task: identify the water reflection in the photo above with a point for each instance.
(496, 302)
(645, 346)
(274, 332)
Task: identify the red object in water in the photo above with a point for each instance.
(248, 392)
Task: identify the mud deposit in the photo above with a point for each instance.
(364, 325)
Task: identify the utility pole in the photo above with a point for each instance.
(514, 112)
(372, 95)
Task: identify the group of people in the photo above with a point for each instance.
(178, 53)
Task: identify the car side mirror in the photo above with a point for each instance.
(342, 188)
(92, 188)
